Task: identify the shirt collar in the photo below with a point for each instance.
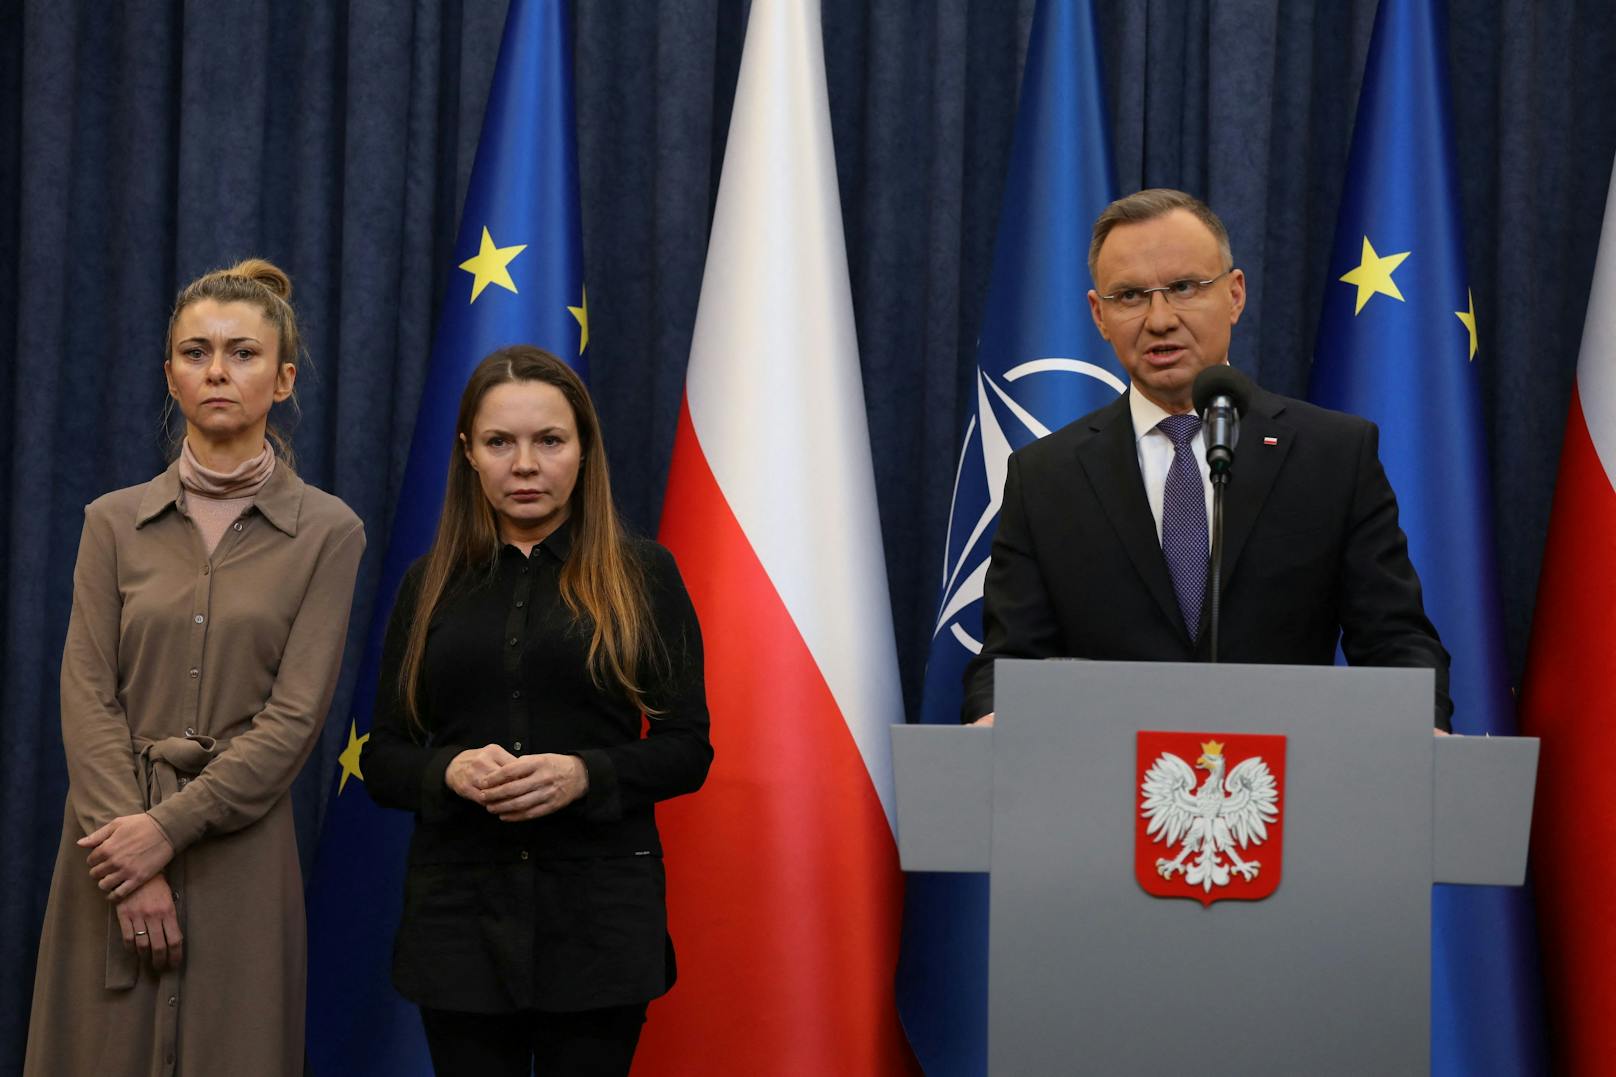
(557, 544)
(279, 501)
(1146, 413)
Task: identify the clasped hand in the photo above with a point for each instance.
(517, 788)
(151, 925)
(126, 853)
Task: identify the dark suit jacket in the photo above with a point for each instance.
(1313, 554)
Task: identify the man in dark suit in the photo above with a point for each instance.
(1102, 544)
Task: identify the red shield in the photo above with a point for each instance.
(1209, 815)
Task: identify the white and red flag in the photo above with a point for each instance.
(1569, 700)
(784, 890)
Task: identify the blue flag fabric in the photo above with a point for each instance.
(517, 278)
(1397, 344)
(1040, 365)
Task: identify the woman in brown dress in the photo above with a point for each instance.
(209, 610)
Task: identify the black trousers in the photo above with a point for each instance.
(591, 1043)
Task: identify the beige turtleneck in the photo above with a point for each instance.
(216, 499)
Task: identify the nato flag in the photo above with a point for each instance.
(516, 277)
(1398, 344)
(1041, 364)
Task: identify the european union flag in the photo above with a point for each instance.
(1040, 364)
(517, 278)
(1398, 344)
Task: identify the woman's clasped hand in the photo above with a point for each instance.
(126, 853)
(517, 788)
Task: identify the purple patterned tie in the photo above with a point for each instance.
(1184, 519)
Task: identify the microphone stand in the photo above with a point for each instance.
(1220, 480)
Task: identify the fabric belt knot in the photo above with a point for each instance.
(162, 764)
(1184, 528)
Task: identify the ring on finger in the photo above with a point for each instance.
(139, 933)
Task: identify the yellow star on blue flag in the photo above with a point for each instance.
(349, 759)
(581, 313)
(1373, 275)
(491, 265)
(1468, 317)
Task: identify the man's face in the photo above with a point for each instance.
(1162, 345)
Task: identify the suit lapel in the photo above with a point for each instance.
(1256, 466)
(1110, 459)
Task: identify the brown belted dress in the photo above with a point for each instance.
(193, 687)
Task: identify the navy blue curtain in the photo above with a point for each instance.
(144, 142)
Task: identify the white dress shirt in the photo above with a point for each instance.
(1156, 455)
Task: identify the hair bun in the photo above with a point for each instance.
(265, 272)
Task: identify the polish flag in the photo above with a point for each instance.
(1570, 700)
(784, 890)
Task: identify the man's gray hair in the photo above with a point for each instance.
(1149, 204)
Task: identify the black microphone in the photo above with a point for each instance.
(1221, 393)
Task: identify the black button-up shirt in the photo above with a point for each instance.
(560, 913)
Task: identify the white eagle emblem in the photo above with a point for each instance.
(1212, 821)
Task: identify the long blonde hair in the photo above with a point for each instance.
(265, 285)
(602, 583)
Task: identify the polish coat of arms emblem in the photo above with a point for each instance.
(1211, 830)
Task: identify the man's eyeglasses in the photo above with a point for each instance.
(1183, 294)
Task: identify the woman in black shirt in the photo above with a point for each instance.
(522, 653)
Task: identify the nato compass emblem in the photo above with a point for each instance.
(1200, 836)
(1014, 409)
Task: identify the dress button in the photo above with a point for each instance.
(236, 526)
(181, 783)
(172, 1000)
(516, 693)
(206, 569)
(195, 673)
(189, 732)
(513, 641)
(199, 618)
(520, 603)
(516, 747)
(524, 854)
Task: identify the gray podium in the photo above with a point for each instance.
(1089, 973)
